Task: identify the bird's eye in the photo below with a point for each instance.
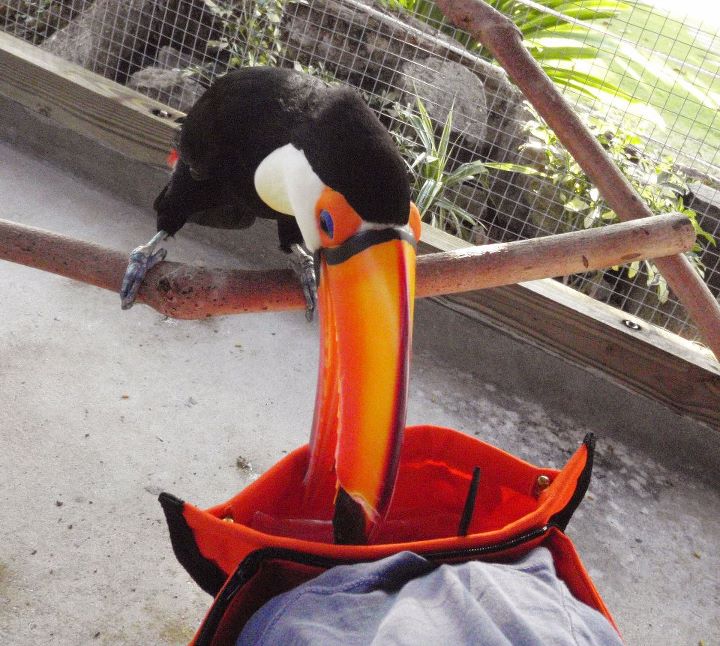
(335, 219)
(326, 223)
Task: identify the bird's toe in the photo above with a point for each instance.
(157, 257)
(310, 291)
(130, 286)
(303, 265)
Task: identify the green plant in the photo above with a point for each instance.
(572, 201)
(425, 10)
(36, 20)
(558, 33)
(250, 32)
(251, 37)
(428, 158)
(563, 34)
(627, 56)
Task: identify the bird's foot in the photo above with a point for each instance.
(303, 265)
(142, 259)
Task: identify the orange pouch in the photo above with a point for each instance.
(260, 543)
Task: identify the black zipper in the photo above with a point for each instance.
(487, 549)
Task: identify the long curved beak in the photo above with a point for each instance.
(367, 288)
(320, 480)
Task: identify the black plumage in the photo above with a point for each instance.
(247, 114)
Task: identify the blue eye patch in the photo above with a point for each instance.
(326, 223)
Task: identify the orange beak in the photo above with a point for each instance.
(366, 294)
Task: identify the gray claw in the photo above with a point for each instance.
(142, 259)
(304, 266)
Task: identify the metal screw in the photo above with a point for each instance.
(543, 482)
(163, 114)
(631, 324)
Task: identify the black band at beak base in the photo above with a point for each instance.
(363, 240)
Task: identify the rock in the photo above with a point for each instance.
(444, 85)
(354, 41)
(473, 199)
(170, 86)
(169, 58)
(368, 46)
(104, 37)
(73, 43)
(115, 38)
(188, 25)
(167, 81)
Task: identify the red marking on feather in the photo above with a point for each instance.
(172, 158)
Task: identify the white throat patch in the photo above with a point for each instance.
(286, 182)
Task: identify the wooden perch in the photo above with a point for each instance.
(186, 292)
(503, 39)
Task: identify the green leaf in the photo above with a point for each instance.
(591, 218)
(652, 275)
(427, 195)
(515, 168)
(587, 84)
(542, 52)
(426, 122)
(699, 231)
(457, 212)
(445, 140)
(422, 125)
(465, 172)
(218, 44)
(576, 205)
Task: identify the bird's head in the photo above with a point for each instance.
(345, 183)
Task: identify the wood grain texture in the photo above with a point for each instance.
(683, 376)
(85, 102)
(492, 265)
(185, 292)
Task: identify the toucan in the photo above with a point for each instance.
(243, 118)
(281, 144)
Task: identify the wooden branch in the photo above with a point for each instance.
(186, 292)
(503, 39)
(508, 263)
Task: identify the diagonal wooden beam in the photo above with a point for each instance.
(503, 40)
(185, 292)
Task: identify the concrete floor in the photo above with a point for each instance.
(103, 409)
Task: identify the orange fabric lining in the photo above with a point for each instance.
(436, 466)
(428, 490)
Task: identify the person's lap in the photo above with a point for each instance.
(405, 599)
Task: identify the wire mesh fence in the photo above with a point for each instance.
(484, 166)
